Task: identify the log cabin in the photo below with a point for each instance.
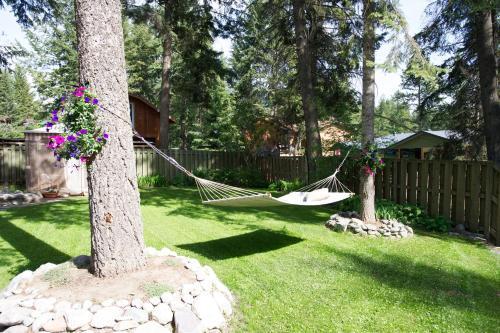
(146, 118)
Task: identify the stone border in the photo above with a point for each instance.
(351, 222)
(203, 306)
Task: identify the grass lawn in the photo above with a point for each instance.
(288, 272)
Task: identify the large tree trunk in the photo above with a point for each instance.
(165, 90)
(313, 139)
(116, 227)
(486, 47)
(367, 184)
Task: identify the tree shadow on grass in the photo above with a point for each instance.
(192, 207)
(36, 251)
(258, 241)
(70, 212)
(434, 286)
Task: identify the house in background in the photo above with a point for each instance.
(146, 118)
(422, 145)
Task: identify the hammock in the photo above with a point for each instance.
(323, 192)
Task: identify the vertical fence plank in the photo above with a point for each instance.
(460, 194)
(412, 182)
(446, 196)
(434, 179)
(394, 192)
(474, 198)
(423, 184)
(486, 213)
(403, 177)
(387, 179)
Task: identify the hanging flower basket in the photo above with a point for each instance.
(83, 139)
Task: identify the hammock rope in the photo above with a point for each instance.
(212, 192)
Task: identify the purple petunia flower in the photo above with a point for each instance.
(63, 98)
(83, 131)
(105, 135)
(54, 112)
(55, 119)
(71, 138)
(99, 139)
(49, 125)
(95, 101)
(87, 99)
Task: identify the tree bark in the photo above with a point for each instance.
(313, 139)
(486, 47)
(117, 244)
(165, 88)
(367, 184)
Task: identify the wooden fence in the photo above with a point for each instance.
(12, 164)
(272, 168)
(463, 191)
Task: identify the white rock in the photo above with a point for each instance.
(152, 327)
(19, 280)
(41, 320)
(200, 276)
(17, 329)
(155, 300)
(122, 303)
(108, 302)
(96, 307)
(77, 306)
(57, 324)
(151, 251)
(87, 304)
(28, 321)
(206, 285)
(205, 307)
(187, 322)
(44, 269)
(77, 318)
(148, 307)
(123, 318)
(162, 314)
(105, 317)
(223, 303)
(177, 304)
(62, 306)
(137, 303)
(125, 325)
(27, 303)
(138, 315)
(187, 298)
(166, 297)
(222, 288)
(14, 316)
(44, 304)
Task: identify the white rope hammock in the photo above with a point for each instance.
(322, 192)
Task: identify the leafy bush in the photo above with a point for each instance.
(408, 214)
(152, 181)
(242, 177)
(285, 186)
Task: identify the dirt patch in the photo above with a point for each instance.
(161, 274)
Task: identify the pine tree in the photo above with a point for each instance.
(117, 243)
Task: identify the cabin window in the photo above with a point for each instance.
(132, 114)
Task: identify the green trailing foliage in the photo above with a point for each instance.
(411, 215)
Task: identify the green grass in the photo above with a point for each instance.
(288, 272)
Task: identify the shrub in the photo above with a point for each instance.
(408, 214)
(152, 181)
(242, 177)
(285, 186)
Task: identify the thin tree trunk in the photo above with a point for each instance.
(313, 139)
(116, 227)
(165, 90)
(488, 83)
(367, 184)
